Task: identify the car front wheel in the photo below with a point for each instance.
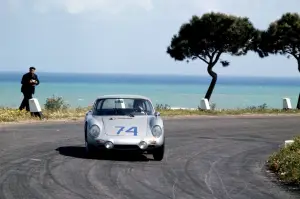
(158, 154)
(89, 149)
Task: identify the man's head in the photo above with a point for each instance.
(32, 69)
(138, 103)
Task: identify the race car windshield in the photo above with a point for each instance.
(125, 106)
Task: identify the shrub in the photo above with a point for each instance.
(162, 107)
(55, 104)
(213, 106)
(286, 163)
(260, 107)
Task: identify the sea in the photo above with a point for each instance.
(80, 90)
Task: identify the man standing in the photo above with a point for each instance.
(29, 81)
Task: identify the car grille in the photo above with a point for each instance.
(126, 147)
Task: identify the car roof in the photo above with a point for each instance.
(123, 96)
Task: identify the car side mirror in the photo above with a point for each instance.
(156, 113)
(88, 112)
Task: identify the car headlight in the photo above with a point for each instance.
(156, 131)
(95, 131)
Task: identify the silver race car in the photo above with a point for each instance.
(124, 122)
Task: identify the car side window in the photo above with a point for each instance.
(99, 104)
(108, 104)
(148, 106)
(94, 106)
(144, 106)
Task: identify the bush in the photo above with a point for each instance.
(213, 106)
(260, 107)
(162, 107)
(55, 104)
(286, 163)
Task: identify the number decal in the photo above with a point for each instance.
(121, 128)
(133, 130)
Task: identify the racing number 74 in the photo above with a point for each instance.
(132, 129)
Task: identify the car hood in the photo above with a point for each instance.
(125, 126)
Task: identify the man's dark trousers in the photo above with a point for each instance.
(25, 102)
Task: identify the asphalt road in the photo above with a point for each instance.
(210, 158)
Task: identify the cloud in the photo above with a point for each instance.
(166, 7)
(83, 6)
(151, 9)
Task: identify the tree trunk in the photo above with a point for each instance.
(212, 83)
(298, 104)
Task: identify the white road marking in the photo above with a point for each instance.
(33, 159)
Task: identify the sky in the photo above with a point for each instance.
(124, 36)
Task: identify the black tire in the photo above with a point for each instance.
(158, 154)
(85, 132)
(89, 149)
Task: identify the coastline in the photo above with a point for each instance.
(80, 90)
(57, 110)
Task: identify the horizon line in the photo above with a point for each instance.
(149, 74)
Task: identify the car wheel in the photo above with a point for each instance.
(89, 149)
(158, 154)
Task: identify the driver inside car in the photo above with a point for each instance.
(138, 105)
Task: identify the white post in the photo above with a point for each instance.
(35, 107)
(287, 103)
(288, 142)
(204, 104)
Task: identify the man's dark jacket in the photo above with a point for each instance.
(28, 87)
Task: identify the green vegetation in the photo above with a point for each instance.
(208, 37)
(285, 163)
(261, 109)
(56, 108)
(282, 37)
(56, 104)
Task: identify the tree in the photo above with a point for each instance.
(282, 37)
(208, 37)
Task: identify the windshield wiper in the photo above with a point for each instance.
(130, 114)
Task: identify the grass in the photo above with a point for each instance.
(227, 112)
(56, 109)
(285, 163)
(13, 115)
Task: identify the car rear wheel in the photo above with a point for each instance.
(158, 154)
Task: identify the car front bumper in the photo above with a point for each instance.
(126, 143)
